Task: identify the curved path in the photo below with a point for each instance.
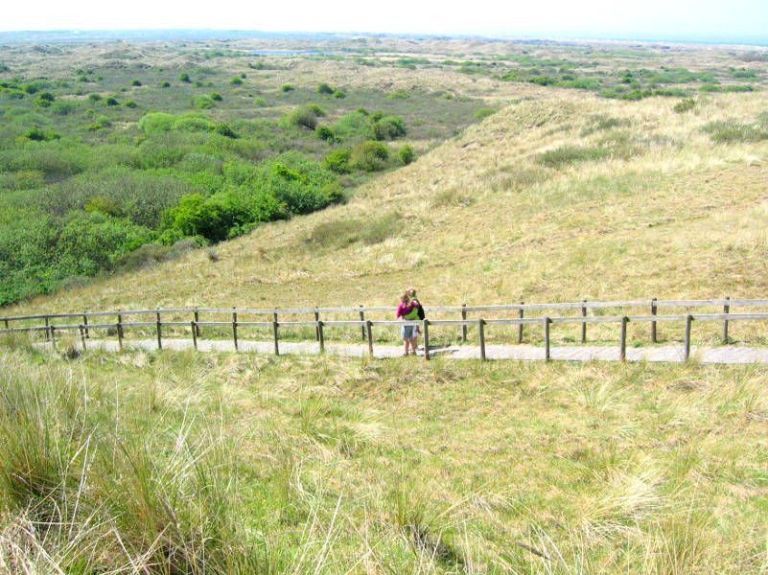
(660, 353)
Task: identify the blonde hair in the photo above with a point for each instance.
(405, 297)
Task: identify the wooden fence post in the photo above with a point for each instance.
(687, 340)
(547, 352)
(481, 332)
(584, 323)
(426, 339)
(234, 327)
(5, 321)
(362, 326)
(85, 325)
(47, 328)
(623, 346)
(274, 333)
(521, 315)
(275, 321)
(120, 331)
(82, 335)
(654, 311)
(317, 324)
(369, 333)
(464, 326)
(193, 324)
(53, 336)
(321, 333)
(197, 322)
(726, 310)
(159, 330)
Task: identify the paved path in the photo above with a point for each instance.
(663, 353)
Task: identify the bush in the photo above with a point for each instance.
(369, 156)
(325, 133)
(685, 105)
(112, 101)
(204, 102)
(482, 113)
(184, 77)
(236, 81)
(339, 94)
(338, 161)
(406, 155)
(45, 99)
(38, 135)
(136, 83)
(389, 128)
(354, 125)
(131, 104)
(325, 89)
(93, 98)
(302, 117)
(287, 88)
(566, 155)
(216, 97)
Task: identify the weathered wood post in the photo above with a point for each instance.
(369, 333)
(317, 324)
(274, 333)
(85, 325)
(521, 315)
(5, 321)
(193, 325)
(234, 327)
(464, 326)
(687, 340)
(197, 322)
(159, 330)
(82, 335)
(654, 311)
(47, 328)
(547, 351)
(623, 346)
(321, 332)
(362, 319)
(275, 321)
(53, 336)
(426, 339)
(120, 331)
(584, 323)
(481, 332)
(726, 310)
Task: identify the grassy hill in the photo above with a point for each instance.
(557, 197)
(233, 464)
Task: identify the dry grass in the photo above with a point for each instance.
(356, 467)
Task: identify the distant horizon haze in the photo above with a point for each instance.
(699, 21)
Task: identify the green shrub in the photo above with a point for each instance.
(226, 131)
(566, 155)
(339, 94)
(324, 89)
(131, 104)
(287, 88)
(136, 83)
(325, 133)
(683, 106)
(338, 161)
(165, 85)
(369, 156)
(45, 99)
(93, 98)
(236, 81)
(216, 97)
(354, 125)
(204, 102)
(482, 113)
(112, 101)
(184, 77)
(389, 128)
(302, 117)
(64, 108)
(406, 155)
(39, 135)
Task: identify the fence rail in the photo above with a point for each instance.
(366, 325)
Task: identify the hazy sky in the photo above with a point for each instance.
(703, 19)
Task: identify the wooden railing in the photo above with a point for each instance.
(93, 320)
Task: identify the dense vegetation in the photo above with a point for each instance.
(115, 167)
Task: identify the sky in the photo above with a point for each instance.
(620, 19)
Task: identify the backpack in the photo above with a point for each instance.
(422, 315)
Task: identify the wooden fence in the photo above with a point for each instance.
(86, 321)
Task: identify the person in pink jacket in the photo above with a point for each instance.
(408, 310)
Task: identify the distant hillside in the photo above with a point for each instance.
(557, 197)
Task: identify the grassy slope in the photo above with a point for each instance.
(303, 465)
(485, 221)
